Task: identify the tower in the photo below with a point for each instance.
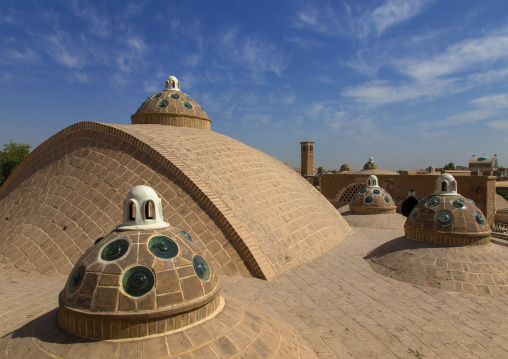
(307, 150)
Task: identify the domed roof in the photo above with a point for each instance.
(131, 276)
(370, 165)
(171, 107)
(446, 217)
(345, 168)
(372, 199)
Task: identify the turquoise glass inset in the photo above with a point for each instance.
(413, 214)
(163, 247)
(421, 199)
(387, 199)
(433, 202)
(444, 218)
(201, 267)
(376, 191)
(76, 279)
(175, 96)
(479, 218)
(115, 250)
(186, 235)
(189, 98)
(470, 200)
(138, 281)
(458, 203)
(188, 105)
(157, 95)
(363, 190)
(369, 199)
(162, 103)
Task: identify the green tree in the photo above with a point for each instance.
(449, 166)
(11, 155)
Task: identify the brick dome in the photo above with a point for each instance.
(446, 217)
(171, 107)
(372, 199)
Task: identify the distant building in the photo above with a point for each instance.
(483, 164)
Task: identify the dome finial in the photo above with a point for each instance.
(172, 83)
(142, 209)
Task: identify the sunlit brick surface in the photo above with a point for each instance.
(250, 212)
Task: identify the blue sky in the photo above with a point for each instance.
(412, 83)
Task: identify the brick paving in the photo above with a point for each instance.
(336, 302)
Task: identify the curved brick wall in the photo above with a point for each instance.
(249, 211)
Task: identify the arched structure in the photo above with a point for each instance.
(66, 194)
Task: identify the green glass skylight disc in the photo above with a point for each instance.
(387, 199)
(369, 199)
(115, 250)
(186, 235)
(162, 103)
(433, 202)
(479, 218)
(163, 247)
(76, 279)
(201, 267)
(188, 105)
(138, 281)
(376, 191)
(458, 203)
(175, 96)
(157, 95)
(444, 218)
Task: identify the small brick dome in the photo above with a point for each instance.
(171, 107)
(372, 199)
(138, 274)
(370, 165)
(345, 168)
(446, 217)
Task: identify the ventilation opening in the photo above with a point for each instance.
(454, 186)
(149, 210)
(350, 192)
(132, 211)
(408, 205)
(444, 186)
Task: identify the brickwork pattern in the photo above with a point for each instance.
(235, 332)
(70, 189)
(346, 310)
(176, 282)
(69, 192)
(280, 218)
(477, 270)
(380, 201)
(464, 227)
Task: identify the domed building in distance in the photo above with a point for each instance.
(372, 199)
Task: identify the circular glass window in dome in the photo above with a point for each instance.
(175, 96)
(76, 279)
(188, 105)
(142, 104)
(157, 95)
(163, 247)
(363, 190)
(458, 203)
(138, 281)
(470, 200)
(387, 199)
(421, 200)
(368, 199)
(479, 218)
(115, 250)
(162, 103)
(413, 214)
(433, 202)
(186, 235)
(189, 98)
(201, 267)
(444, 218)
(376, 191)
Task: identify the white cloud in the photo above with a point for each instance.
(62, 49)
(499, 125)
(97, 24)
(11, 56)
(488, 107)
(471, 54)
(394, 12)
